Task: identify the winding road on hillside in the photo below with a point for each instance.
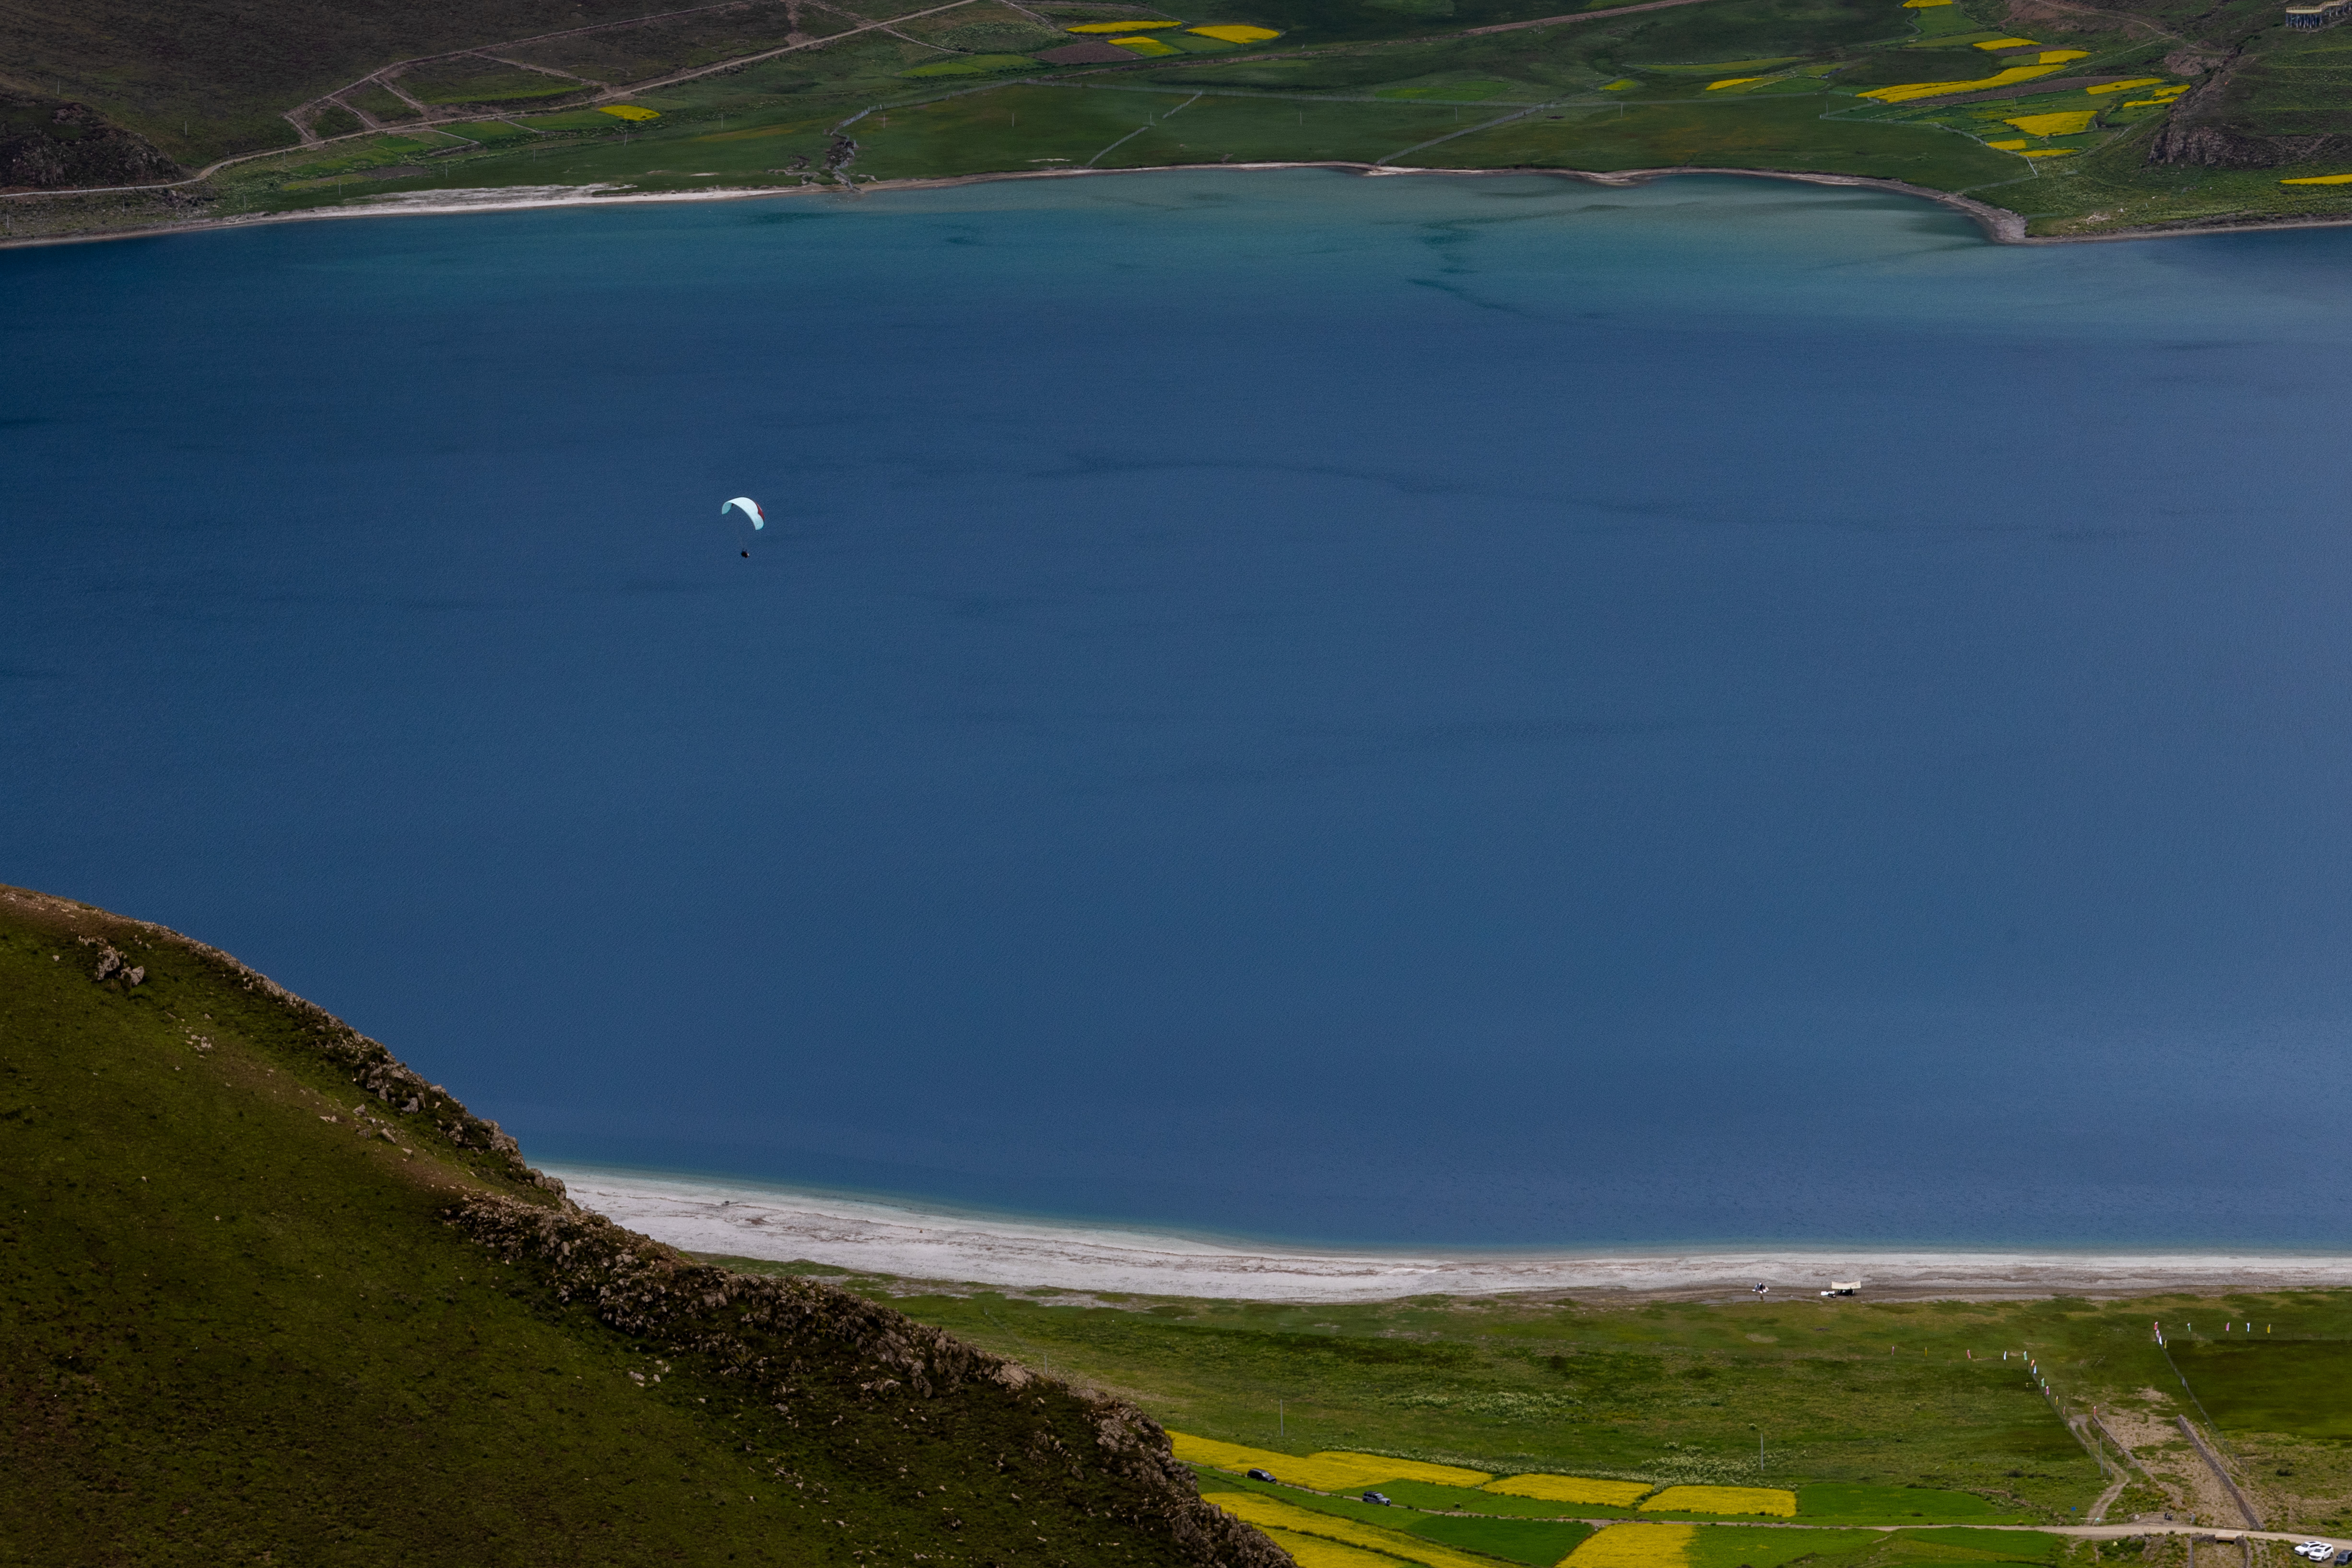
(302, 114)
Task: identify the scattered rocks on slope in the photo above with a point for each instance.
(50, 145)
(2213, 147)
(750, 1325)
(113, 965)
(369, 1065)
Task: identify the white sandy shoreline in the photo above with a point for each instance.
(747, 1220)
(1998, 225)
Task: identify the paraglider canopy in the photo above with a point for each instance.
(750, 508)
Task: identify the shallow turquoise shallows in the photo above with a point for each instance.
(1391, 711)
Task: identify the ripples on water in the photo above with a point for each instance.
(1377, 710)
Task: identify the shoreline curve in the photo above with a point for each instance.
(874, 1236)
(1998, 225)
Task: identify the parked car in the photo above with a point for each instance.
(1378, 1498)
(2342, 1557)
(1260, 1475)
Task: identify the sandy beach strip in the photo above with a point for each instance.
(1997, 223)
(746, 1220)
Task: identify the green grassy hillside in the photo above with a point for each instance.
(265, 1295)
(200, 78)
(2077, 118)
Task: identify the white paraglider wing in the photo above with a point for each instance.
(750, 510)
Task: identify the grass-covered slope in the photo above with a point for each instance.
(267, 1296)
(200, 78)
(2071, 117)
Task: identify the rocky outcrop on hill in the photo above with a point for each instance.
(426, 1109)
(65, 146)
(891, 1435)
(2197, 134)
(808, 1349)
(2214, 147)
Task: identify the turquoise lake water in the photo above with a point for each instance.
(1404, 710)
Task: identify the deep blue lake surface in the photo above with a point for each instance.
(1375, 710)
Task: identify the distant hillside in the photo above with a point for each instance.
(267, 1295)
(2051, 117)
(48, 143)
(200, 78)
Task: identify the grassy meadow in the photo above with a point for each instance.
(1885, 1401)
(1874, 1413)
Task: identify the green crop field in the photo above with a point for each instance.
(1534, 1541)
(2302, 1388)
(1753, 132)
(1120, 130)
(1538, 1541)
(1997, 1545)
(1772, 1548)
(1888, 1505)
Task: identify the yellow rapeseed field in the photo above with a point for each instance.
(2060, 57)
(1147, 46)
(630, 111)
(2126, 86)
(1376, 1469)
(1333, 1473)
(1325, 1472)
(1256, 1508)
(1634, 1546)
(2008, 44)
(2047, 152)
(1575, 1489)
(1731, 81)
(2016, 145)
(2320, 180)
(1223, 1455)
(1117, 27)
(1911, 90)
(1725, 1499)
(1235, 32)
(2066, 122)
(1312, 1551)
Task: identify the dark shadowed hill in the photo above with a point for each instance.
(265, 1295)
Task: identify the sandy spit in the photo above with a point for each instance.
(868, 1236)
(1998, 223)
